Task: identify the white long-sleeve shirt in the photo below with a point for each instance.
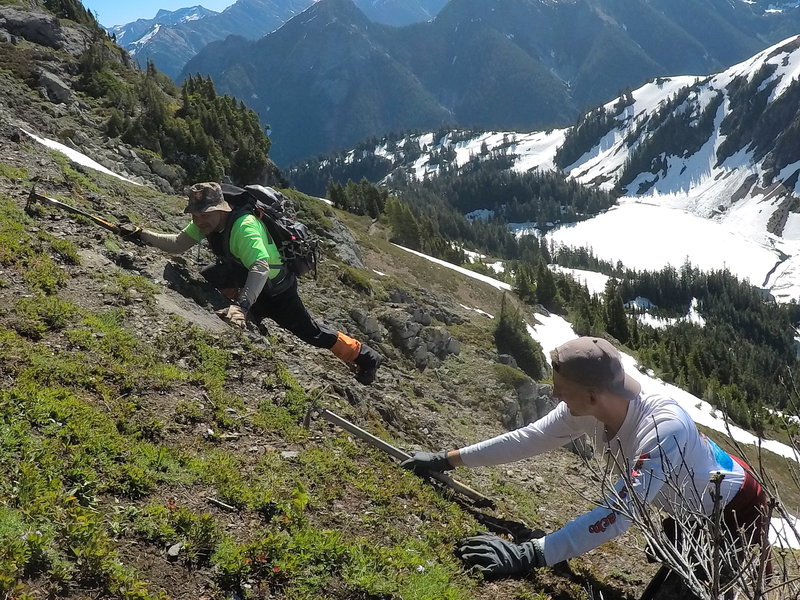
(670, 463)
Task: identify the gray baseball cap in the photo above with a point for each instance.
(594, 362)
(205, 197)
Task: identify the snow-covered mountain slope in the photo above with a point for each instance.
(724, 148)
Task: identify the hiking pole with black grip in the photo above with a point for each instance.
(479, 499)
(34, 197)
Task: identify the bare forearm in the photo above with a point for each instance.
(454, 458)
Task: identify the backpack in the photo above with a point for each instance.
(298, 247)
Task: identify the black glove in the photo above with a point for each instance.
(129, 231)
(495, 556)
(422, 463)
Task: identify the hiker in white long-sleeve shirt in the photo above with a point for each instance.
(651, 436)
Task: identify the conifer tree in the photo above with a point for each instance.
(546, 293)
(615, 317)
(511, 337)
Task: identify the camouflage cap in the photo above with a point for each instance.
(205, 197)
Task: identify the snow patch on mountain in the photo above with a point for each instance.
(714, 208)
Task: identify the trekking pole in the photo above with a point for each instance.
(33, 198)
(479, 499)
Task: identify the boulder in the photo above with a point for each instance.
(507, 359)
(44, 29)
(398, 296)
(418, 315)
(440, 343)
(39, 28)
(535, 400)
(427, 346)
(404, 333)
(163, 170)
(368, 324)
(509, 413)
(446, 316)
(343, 244)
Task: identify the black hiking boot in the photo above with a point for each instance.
(367, 363)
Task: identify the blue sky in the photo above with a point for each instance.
(117, 12)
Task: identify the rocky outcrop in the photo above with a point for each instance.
(54, 88)
(414, 335)
(341, 241)
(533, 401)
(44, 29)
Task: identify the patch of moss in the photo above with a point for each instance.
(356, 279)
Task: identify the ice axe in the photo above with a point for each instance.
(478, 498)
(34, 197)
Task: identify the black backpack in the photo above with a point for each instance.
(298, 247)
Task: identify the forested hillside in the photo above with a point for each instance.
(740, 359)
(185, 133)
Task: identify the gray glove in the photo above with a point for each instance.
(129, 231)
(423, 463)
(495, 556)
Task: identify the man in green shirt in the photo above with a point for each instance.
(251, 272)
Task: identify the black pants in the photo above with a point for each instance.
(280, 302)
(287, 310)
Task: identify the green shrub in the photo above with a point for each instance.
(511, 337)
(39, 314)
(510, 376)
(44, 274)
(13, 173)
(356, 279)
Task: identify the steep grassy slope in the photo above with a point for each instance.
(134, 424)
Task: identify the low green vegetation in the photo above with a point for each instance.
(356, 279)
(94, 460)
(13, 173)
(78, 180)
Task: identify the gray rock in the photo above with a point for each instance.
(162, 184)
(174, 551)
(44, 29)
(368, 324)
(510, 413)
(507, 359)
(535, 400)
(418, 315)
(160, 168)
(399, 296)
(440, 343)
(39, 28)
(344, 244)
(424, 359)
(446, 316)
(138, 167)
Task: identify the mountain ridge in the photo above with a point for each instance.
(518, 64)
(179, 39)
